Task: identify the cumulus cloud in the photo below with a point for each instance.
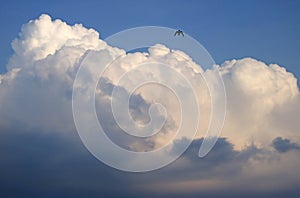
(47, 55)
(37, 90)
(263, 104)
(255, 93)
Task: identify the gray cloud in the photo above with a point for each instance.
(284, 145)
(48, 165)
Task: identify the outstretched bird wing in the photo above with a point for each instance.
(179, 32)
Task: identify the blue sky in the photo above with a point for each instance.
(266, 30)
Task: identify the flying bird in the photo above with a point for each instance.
(179, 32)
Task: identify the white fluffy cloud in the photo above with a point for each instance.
(37, 89)
(36, 92)
(255, 92)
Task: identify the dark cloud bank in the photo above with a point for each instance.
(43, 165)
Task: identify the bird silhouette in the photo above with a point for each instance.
(179, 32)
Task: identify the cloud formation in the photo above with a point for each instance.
(284, 145)
(36, 117)
(255, 93)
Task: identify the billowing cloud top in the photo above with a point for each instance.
(36, 92)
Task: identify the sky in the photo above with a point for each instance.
(265, 30)
(49, 75)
